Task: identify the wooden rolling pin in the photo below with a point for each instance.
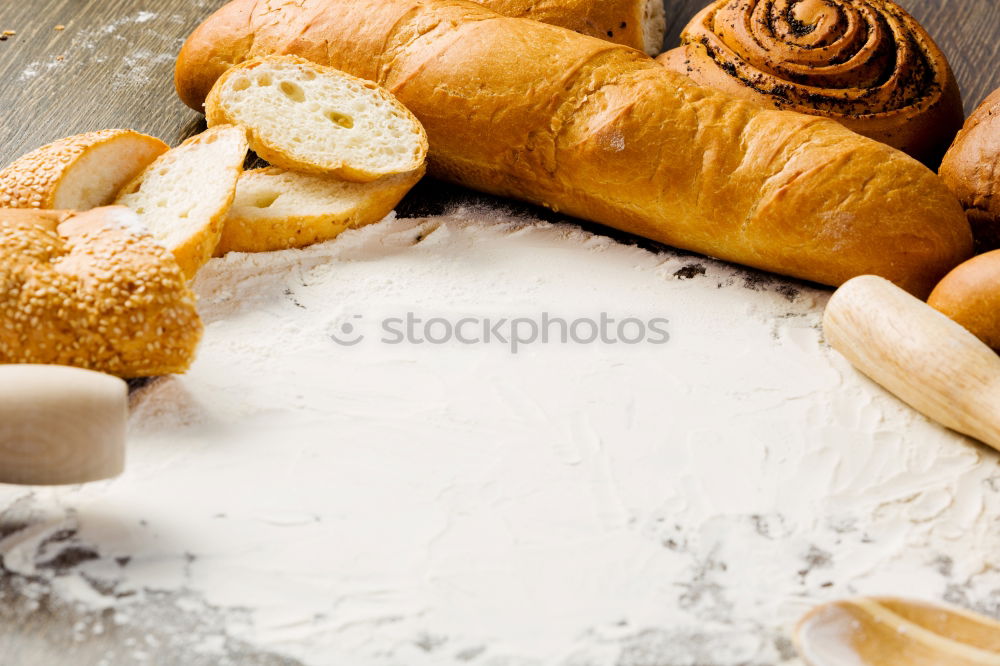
(927, 360)
(896, 632)
(60, 425)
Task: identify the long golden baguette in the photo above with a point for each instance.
(597, 130)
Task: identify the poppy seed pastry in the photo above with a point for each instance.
(864, 63)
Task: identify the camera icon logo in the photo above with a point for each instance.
(346, 334)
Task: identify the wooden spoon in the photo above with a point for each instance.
(896, 632)
(917, 353)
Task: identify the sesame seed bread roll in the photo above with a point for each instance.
(314, 119)
(95, 291)
(79, 172)
(600, 131)
(183, 197)
(277, 209)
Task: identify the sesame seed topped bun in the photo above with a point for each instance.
(79, 172)
(95, 291)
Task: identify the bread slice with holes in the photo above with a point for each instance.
(277, 209)
(314, 119)
(79, 172)
(183, 197)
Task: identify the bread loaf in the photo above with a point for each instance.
(640, 24)
(314, 119)
(597, 130)
(94, 291)
(970, 295)
(971, 169)
(868, 65)
(79, 172)
(277, 209)
(182, 198)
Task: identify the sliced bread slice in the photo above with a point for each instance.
(183, 197)
(79, 172)
(314, 119)
(277, 209)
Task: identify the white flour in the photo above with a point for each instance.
(82, 46)
(585, 505)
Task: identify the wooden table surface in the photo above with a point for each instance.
(111, 66)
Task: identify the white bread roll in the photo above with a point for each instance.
(970, 295)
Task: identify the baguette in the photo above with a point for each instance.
(79, 172)
(277, 209)
(183, 197)
(597, 130)
(970, 295)
(314, 119)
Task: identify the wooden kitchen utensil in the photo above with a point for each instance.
(60, 425)
(896, 632)
(927, 360)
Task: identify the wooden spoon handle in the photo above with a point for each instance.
(918, 354)
(896, 632)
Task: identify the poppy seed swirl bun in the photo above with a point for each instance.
(865, 63)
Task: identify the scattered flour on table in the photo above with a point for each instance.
(87, 46)
(581, 505)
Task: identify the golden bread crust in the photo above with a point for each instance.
(617, 21)
(32, 181)
(196, 248)
(868, 65)
(522, 109)
(265, 231)
(970, 295)
(971, 169)
(89, 291)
